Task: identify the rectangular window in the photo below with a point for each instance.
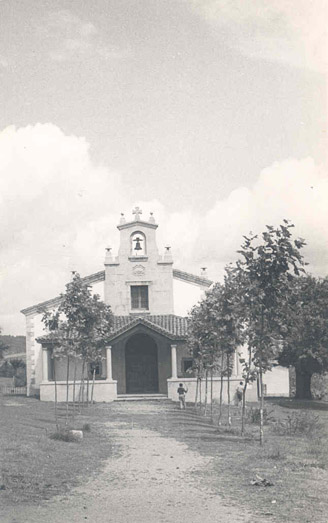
(97, 367)
(187, 366)
(139, 297)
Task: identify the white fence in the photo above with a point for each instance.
(13, 391)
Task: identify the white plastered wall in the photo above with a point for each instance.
(34, 330)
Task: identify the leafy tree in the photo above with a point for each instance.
(226, 326)
(215, 331)
(201, 342)
(81, 327)
(263, 274)
(305, 344)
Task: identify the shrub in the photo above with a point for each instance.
(63, 435)
(299, 423)
(86, 427)
(253, 415)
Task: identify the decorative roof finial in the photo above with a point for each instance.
(151, 218)
(137, 211)
(167, 254)
(203, 272)
(108, 256)
(122, 220)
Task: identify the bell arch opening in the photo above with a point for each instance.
(138, 244)
(141, 365)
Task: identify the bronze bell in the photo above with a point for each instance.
(138, 246)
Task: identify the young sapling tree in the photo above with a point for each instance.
(264, 273)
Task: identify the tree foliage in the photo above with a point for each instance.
(214, 324)
(263, 274)
(215, 332)
(82, 324)
(305, 344)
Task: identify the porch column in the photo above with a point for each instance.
(174, 361)
(109, 375)
(45, 364)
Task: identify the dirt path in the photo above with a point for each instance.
(149, 478)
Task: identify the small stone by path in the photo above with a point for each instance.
(150, 478)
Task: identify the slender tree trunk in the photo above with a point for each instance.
(228, 386)
(261, 379)
(81, 392)
(206, 391)
(243, 409)
(93, 384)
(74, 385)
(243, 412)
(67, 390)
(200, 393)
(88, 389)
(56, 412)
(212, 392)
(221, 388)
(196, 395)
(261, 404)
(303, 385)
(79, 398)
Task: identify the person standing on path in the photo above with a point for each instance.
(182, 391)
(239, 394)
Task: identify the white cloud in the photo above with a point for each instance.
(59, 211)
(293, 189)
(294, 32)
(296, 190)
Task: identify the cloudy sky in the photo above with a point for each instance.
(210, 113)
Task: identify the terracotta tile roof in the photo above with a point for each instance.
(171, 326)
(175, 327)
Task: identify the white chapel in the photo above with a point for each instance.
(148, 352)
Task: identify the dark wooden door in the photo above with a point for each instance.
(141, 365)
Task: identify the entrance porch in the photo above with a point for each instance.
(139, 361)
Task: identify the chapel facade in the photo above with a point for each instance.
(147, 352)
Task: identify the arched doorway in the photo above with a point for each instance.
(141, 367)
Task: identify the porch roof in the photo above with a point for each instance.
(174, 327)
(169, 325)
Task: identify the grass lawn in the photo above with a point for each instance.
(33, 466)
(297, 464)
(294, 458)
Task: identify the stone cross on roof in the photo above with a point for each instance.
(137, 211)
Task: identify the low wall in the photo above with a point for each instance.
(276, 382)
(190, 384)
(104, 390)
